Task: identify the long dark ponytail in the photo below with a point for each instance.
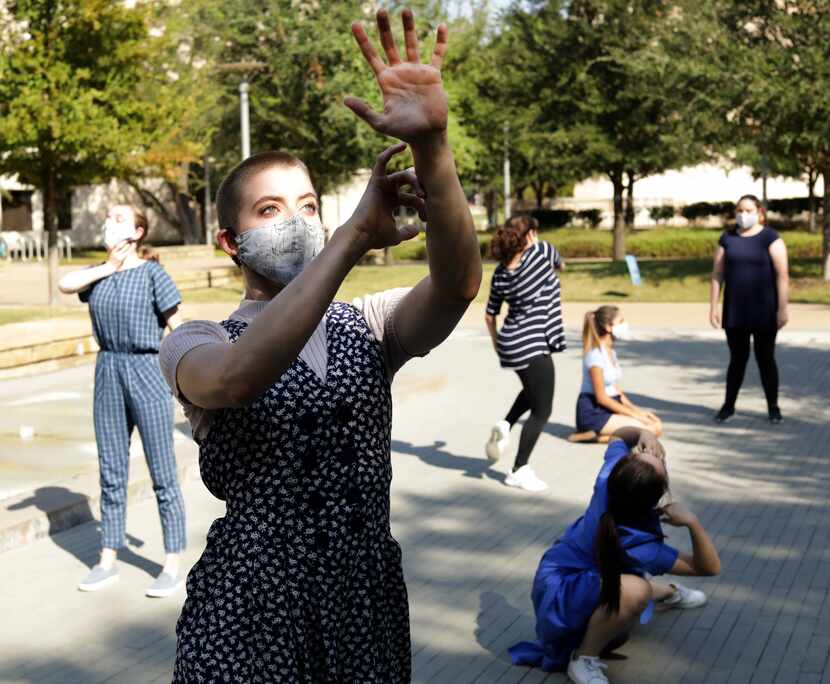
(635, 487)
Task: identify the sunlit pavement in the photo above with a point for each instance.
(470, 543)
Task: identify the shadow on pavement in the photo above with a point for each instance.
(70, 512)
(435, 455)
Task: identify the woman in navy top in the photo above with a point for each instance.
(526, 279)
(131, 300)
(750, 265)
(592, 584)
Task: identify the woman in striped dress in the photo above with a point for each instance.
(526, 279)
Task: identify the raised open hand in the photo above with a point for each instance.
(414, 101)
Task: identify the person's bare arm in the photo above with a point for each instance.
(606, 401)
(172, 318)
(704, 560)
(715, 285)
(778, 253)
(223, 375)
(490, 321)
(415, 111)
(80, 280)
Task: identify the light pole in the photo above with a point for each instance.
(206, 214)
(244, 68)
(244, 119)
(506, 173)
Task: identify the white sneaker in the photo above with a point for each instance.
(525, 478)
(587, 670)
(99, 578)
(499, 441)
(683, 597)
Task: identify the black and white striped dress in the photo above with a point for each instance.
(534, 319)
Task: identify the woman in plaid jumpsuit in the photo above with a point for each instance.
(131, 300)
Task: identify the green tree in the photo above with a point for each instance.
(180, 100)
(67, 74)
(630, 95)
(92, 90)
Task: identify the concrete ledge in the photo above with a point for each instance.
(174, 252)
(59, 506)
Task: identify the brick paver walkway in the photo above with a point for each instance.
(471, 545)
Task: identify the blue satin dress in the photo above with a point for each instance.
(566, 588)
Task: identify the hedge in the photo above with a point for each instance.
(659, 243)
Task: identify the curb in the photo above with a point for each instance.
(62, 505)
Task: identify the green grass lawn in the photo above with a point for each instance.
(663, 281)
(20, 314)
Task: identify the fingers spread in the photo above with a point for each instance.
(387, 39)
(385, 156)
(364, 111)
(440, 46)
(410, 37)
(366, 47)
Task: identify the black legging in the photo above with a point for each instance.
(538, 381)
(764, 343)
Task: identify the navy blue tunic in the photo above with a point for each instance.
(750, 295)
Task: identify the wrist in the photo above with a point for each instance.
(352, 239)
(431, 155)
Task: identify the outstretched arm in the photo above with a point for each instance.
(415, 111)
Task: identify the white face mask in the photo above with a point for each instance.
(280, 251)
(621, 331)
(746, 220)
(115, 232)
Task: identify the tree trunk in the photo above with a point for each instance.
(539, 191)
(619, 219)
(812, 177)
(825, 172)
(490, 202)
(50, 227)
(186, 217)
(629, 199)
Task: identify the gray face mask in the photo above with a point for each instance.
(280, 251)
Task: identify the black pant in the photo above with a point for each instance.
(738, 341)
(538, 381)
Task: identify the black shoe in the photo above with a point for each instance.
(775, 415)
(724, 414)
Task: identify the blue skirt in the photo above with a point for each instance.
(590, 415)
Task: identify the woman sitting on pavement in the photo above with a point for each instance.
(602, 408)
(592, 585)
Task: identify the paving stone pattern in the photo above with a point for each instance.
(471, 544)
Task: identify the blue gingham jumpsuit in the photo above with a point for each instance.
(127, 310)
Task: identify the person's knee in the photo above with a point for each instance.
(635, 595)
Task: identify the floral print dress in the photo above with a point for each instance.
(301, 581)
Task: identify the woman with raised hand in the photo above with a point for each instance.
(593, 585)
(290, 402)
(131, 301)
(750, 265)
